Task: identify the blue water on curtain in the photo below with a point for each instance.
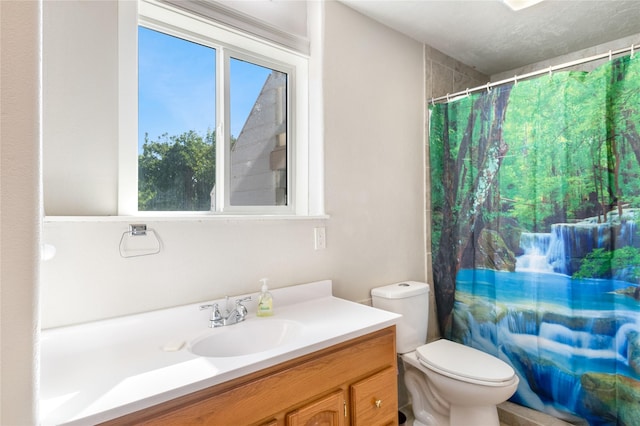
(552, 329)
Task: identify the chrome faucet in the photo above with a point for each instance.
(232, 316)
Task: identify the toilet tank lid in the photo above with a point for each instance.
(400, 290)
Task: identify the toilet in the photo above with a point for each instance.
(450, 384)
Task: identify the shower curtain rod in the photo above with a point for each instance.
(449, 97)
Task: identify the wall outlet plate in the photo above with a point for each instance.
(319, 238)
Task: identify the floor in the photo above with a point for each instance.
(513, 415)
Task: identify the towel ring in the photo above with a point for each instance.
(137, 231)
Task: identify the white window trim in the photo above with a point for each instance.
(232, 18)
(306, 177)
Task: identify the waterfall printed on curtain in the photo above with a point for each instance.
(535, 191)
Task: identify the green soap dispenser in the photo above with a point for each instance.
(265, 300)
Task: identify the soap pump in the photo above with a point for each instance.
(265, 300)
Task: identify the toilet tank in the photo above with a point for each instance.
(411, 300)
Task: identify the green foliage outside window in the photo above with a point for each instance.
(177, 173)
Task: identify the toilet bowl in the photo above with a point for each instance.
(450, 384)
(464, 384)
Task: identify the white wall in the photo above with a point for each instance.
(374, 130)
(20, 214)
(374, 191)
(80, 99)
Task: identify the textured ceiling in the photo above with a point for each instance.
(489, 36)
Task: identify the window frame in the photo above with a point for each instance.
(229, 43)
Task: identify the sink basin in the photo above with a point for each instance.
(246, 338)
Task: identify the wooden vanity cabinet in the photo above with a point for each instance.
(351, 383)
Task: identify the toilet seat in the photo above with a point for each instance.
(464, 363)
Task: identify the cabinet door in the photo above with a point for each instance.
(328, 411)
(374, 400)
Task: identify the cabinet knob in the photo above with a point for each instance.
(378, 403)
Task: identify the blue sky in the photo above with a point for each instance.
(176, 87)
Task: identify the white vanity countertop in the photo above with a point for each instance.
(99, 371)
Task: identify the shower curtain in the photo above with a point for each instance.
(535, 192)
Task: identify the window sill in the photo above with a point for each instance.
(197, 217)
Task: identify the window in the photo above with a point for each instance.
(221, 125)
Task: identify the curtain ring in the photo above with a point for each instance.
(467, 91)
(488, 88)
(515, 79)
(448, 98)
(609, 54)
(550, 72)
(632, 51)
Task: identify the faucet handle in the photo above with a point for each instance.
(215, 311)
(240, 308)
(211, 306)
(244, 299)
